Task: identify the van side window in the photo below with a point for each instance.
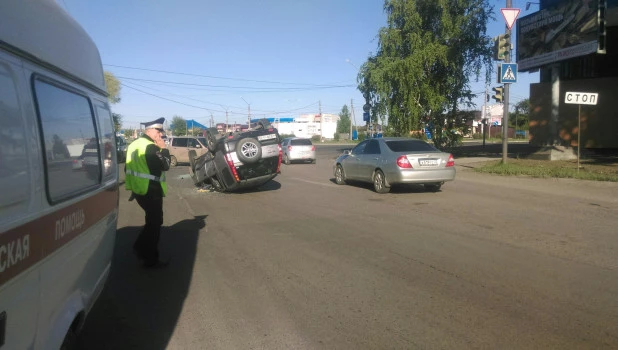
(179, 142)
(108, 148)
(14, 169)
(69, 140)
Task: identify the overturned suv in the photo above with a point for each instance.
(238, 160)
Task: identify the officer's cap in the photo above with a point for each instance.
(155, 124)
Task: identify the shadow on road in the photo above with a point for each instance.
(395, 189)
(139, 308)
(271, 185)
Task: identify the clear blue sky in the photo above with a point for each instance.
(280, 56)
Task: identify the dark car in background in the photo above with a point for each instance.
(395, 160)
(238, 160)
(121, 149)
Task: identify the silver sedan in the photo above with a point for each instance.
(395, 160)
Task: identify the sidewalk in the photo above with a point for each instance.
(473, 162)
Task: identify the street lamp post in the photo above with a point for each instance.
(351, 104)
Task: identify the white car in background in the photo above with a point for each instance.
(298, 149)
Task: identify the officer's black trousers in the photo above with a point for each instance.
(147, 243)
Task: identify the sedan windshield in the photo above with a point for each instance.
(410, 146)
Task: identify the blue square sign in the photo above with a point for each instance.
(508, 73)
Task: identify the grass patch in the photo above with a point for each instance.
(589, 169)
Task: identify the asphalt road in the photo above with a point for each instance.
(487, 262)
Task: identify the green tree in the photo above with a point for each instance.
(426, 56)
(178, 125)
(196, 131)
(113, 87)
(521, 115)
(128, 133)
(117, 121)
(113, 96)
(343, 125)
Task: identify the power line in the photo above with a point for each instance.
(255, 89)
(213, 110)
(188, 98)
(255, 110)
(215, 77)
(168, 99)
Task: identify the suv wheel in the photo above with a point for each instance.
(173, 161)
(216, 184)
(249, 150)
(211, 141)
(263, 123)
(192, 155)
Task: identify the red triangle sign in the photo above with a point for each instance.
(510, 15)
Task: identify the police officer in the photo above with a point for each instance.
(147, 161)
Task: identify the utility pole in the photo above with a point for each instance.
(248, 113)
(226, 120)
(351, 107)
(516, 113)
(505, 113)
(321, 121)
(211, 120)
(484, 120)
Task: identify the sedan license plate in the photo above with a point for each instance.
(267, 137)
(428, 162)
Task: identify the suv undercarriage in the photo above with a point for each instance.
(238, 160)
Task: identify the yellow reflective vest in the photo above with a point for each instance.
(137, 173)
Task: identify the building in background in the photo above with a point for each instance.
(574, 44)
(305, 125)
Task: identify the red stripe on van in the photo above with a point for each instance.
(26, 245)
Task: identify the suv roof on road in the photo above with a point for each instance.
(238, 160)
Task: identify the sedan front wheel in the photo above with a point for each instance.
(339, 176)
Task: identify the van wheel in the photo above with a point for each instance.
(248, 150)
(379, 182)
(173, 161)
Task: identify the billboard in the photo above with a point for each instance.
(562, 30)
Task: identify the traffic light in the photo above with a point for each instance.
(498, 96)
(502, 46)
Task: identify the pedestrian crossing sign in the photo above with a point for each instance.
(508, 73)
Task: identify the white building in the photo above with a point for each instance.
(307, 125)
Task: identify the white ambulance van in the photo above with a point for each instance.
(57, 216)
